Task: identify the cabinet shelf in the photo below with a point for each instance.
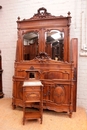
(32, 115)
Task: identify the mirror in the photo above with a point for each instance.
(32, 75)
(30, 45)
(55, 44)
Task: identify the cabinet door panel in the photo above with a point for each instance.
(59, 94)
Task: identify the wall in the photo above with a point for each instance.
(25, 9)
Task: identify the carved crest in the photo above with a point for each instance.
(42, 57)
(42, 13)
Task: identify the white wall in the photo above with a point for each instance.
(11, 9)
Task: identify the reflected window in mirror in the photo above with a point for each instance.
(55, 44)
(30, 45)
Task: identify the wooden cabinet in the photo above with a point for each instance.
(32, 93)
(44, 44)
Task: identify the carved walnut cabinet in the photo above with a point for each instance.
(44, 44)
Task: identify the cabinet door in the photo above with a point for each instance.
(57, 93)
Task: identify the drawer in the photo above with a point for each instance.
(32, 88)
(31, 96)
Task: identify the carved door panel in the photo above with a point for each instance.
(61, 94)
(56, 93)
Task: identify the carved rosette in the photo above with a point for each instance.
(59, 94)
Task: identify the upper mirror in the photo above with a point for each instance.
(55, 44)
(30, 43)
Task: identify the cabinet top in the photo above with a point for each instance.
(43, 14)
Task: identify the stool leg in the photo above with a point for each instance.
(23, 114)
(41, 120)
(23, 121)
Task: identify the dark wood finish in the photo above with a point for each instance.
(32, 94)
(56, 75)
(1, 89)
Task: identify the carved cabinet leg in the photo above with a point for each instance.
(13, 106)
(70, 114)
(23, 121)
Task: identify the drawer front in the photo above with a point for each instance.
(31, 96)
(32, 89)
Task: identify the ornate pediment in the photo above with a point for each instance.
(42, 13)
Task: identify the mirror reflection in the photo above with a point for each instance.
(55, 44)
(30, 43)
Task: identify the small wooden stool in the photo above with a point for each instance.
(32, 92)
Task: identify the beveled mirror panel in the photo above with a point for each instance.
(30, 45)
(55, 44)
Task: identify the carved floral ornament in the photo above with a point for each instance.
(42, 57)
